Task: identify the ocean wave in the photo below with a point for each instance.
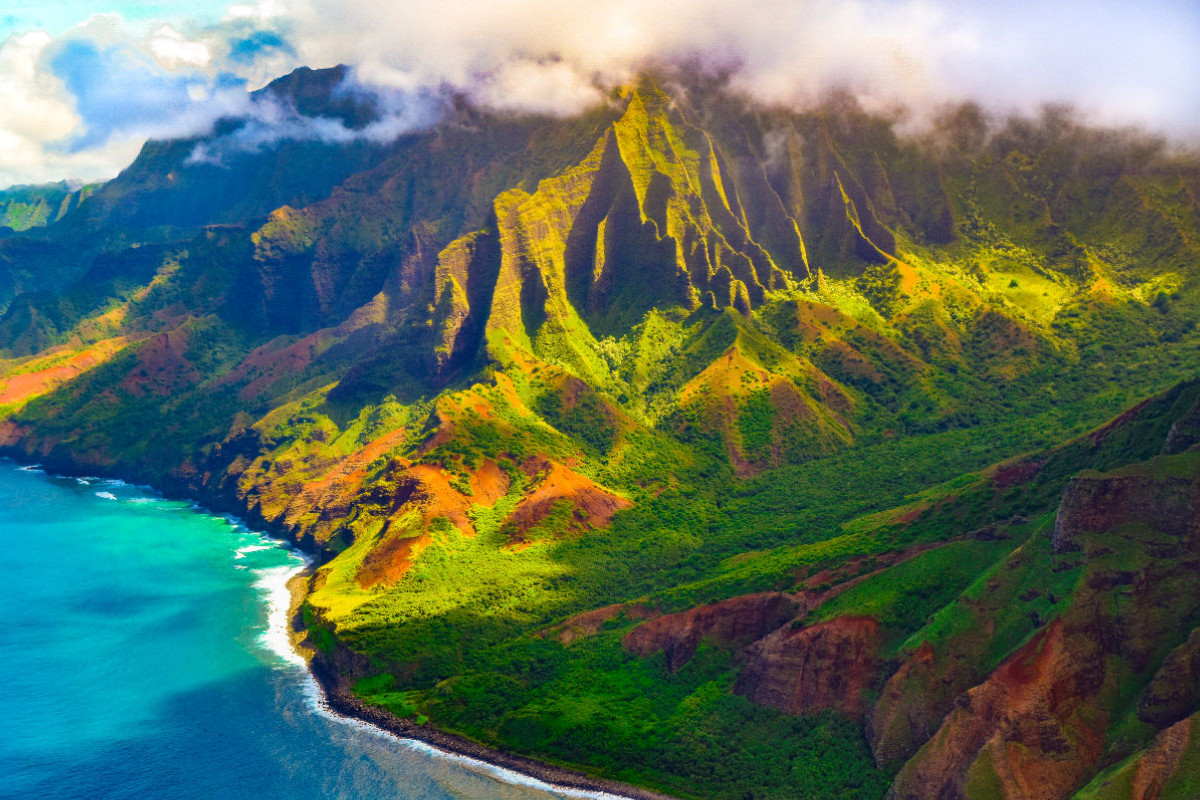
(501, 773)
(251, 548)
(272, 582)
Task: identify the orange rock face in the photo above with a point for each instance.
(593, 505)
(1159, 763)
(389, 561)
(747, 618)
(26, 385)
(825, 666)
(489, 482)
(1023, 724)
(907, 712)
(163, 366)
(268, 363)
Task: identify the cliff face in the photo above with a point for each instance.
(26, 207)
(1100, 504)
(1022, 729)
(738, 619)
(1166, 769)
(802, 670)
(1185, 433)
(1039, 725)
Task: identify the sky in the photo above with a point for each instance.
(84, 84)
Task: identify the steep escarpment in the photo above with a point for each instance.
(747, 618)
(806, 669)
(1045, 719)
(1038, 725)
(720, 448)
(1165, 769)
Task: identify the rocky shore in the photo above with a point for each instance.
(342, 701)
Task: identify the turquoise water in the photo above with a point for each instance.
(142, 656)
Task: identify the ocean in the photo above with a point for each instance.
(143, 655)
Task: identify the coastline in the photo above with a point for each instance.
(334, 694)
(341, 701)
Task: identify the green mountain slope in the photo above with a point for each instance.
(724, 450)
(25, 207)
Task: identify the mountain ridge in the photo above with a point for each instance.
(633, 375)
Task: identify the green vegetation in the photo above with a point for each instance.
(533, 386)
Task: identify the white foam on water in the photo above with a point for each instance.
(503, 774)
(272, 582)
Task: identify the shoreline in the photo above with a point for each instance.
(337, 698)
(334, 694)
(344, 704)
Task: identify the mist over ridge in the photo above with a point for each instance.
(78, 102)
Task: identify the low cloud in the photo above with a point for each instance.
(80, 104)
(39, 120)
(266, 120)
(1118, 62)
(119, 92)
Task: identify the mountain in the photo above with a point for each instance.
(25, 207)
(724, 450)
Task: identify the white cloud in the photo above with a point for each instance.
(172, 50)
(555, 88)
(81, 105)
(1118, 62)
(1124, 62)
(264, 11)
(34, 108)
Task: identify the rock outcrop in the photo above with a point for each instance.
(555, 485)
(744, 618)
(1094, 504)
(1020, 728)
(1038, 726)
(801, 670)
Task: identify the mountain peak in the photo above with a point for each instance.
(327, 92)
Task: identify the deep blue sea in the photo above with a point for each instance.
(142, 655)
